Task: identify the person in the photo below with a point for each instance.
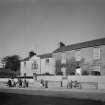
(20, 83)
(13, 83)
(46, 84)
(27, 84)
(42, 83)
(24, 83)
(16, 82)
(9, 83)
(69, 84)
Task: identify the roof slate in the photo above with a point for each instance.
(86, 44)
(49, 55)
(25, 59)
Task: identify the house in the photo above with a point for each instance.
(89, 56)
(38, 64)
(85, 58)
(25, 67)
(47, 63)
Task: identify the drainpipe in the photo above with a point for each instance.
(40, 66)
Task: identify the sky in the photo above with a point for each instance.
(39, 25)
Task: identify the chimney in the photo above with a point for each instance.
(61, 44)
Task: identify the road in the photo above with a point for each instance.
(90, 94)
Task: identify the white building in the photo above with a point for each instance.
(40, 64)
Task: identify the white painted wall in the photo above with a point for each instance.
(35, 60)
(26, 68)
(43, 67)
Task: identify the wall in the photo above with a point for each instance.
(26, 68)
(48, 67)
(103, 60)
(42, 67)
(88, 62)
(97, 79)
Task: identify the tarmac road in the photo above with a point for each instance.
(51, 96)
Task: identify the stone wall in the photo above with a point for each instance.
(89, 59)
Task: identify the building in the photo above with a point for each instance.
(89, 56)
(38, 64)
(25, 67)
(85, 58)
(47, 63)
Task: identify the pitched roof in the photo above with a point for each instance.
(86, 44)
(25, 59)
(48, 55)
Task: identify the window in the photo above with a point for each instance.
(47, 60)
(96, 53)
(96, 68)
(78, 55)
(63, 58)
(24, 63)
(34, 65)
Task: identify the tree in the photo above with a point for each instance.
(31, 54)
(12, 62)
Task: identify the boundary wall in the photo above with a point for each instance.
(100, 80)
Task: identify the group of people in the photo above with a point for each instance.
(43, 84)
(19, 83)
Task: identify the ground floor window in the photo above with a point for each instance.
(95, 73)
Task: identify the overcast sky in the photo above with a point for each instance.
(40, 24)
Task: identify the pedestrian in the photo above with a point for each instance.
(42, 83)
(46, 84)
(20, 82)
(24, 83)
(13, 83)
(9, 83)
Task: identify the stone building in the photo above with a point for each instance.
(85, 58)
(89, 56)
(38, 64)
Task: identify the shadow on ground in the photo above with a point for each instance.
(20, 99)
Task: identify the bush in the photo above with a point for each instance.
(59, 73)
(47, 73)
(72, 73)
(85, 72)
(7, 73)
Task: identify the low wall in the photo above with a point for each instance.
(73, 78)
(84, 78)
(50, 78)
(98, 79)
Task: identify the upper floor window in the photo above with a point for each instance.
(78, 55)
(63, 58)
(47, 60)
(34, 65)
(24, 63)
(96, 53)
